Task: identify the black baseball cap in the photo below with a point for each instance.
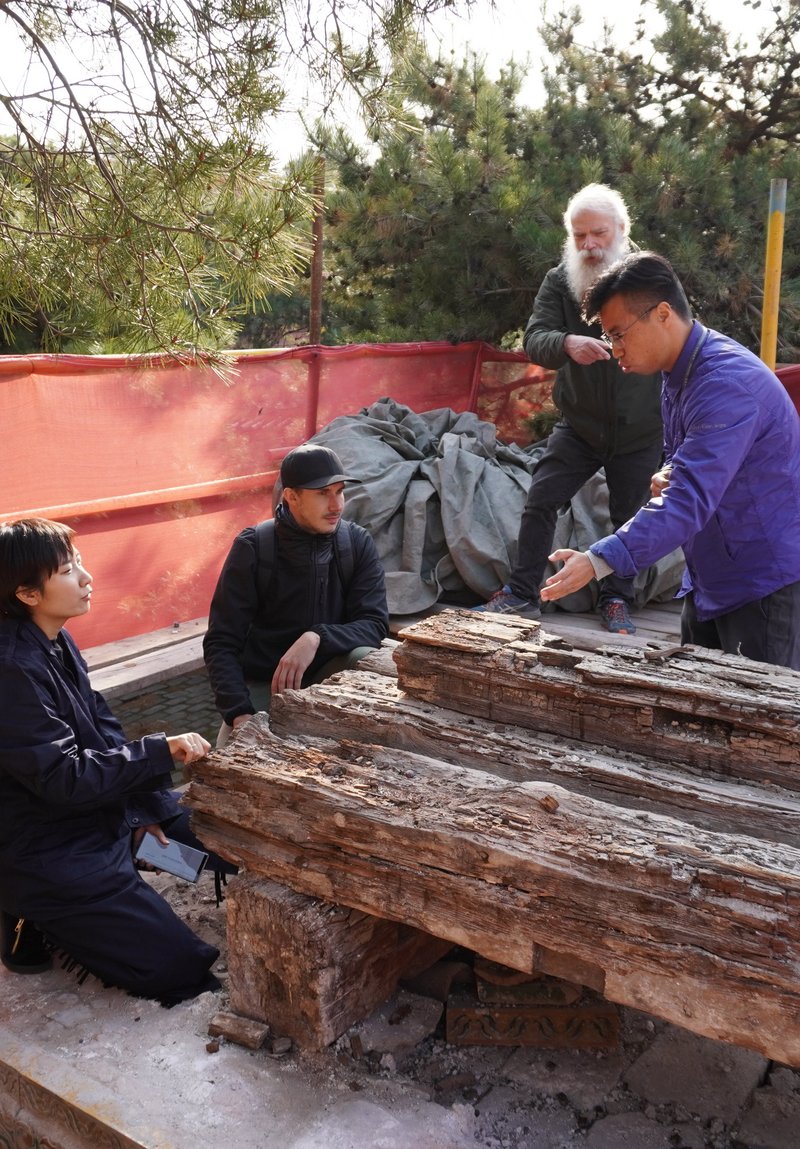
(312, 467)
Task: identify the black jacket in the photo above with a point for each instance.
(613, 412)
(71, 787)
(247, 637)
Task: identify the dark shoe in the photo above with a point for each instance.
(616, 616)
(504, 601)
(22, 948)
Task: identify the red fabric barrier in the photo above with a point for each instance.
(790, 377)
(158, 464)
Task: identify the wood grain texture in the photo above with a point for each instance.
(697, 926)
(592, 1025)
(696, 706)
(309, 968)
(373, 709)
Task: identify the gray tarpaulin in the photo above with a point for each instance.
(443, 499)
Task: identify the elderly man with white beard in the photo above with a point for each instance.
(607, 419)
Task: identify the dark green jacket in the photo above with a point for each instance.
(613, 412)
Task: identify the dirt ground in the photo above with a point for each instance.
(393, 1082)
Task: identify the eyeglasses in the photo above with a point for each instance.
(618, 338)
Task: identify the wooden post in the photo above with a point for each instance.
(772, 272)
(315, 315)
(310, 969)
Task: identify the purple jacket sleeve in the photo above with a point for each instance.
(718, 424)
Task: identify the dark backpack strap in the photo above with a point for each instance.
(343, 554)
(266, 550)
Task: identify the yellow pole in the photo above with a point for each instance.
(772, 272)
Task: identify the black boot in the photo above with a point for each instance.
(22, 948)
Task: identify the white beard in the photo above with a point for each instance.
(583, 267)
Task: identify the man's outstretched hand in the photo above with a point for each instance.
(575, 573)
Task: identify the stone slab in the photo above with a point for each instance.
(44, 1100)
(709, 1078)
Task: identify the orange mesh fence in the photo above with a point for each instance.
(159, 464)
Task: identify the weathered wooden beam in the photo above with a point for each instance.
(373, 709)
(381, 661)
(311, 969)
(697, 927)
(695, 706)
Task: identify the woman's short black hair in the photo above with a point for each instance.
(642, 277)
(31, 550)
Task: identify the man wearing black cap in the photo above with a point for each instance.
(299, 597)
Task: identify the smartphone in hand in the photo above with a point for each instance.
(174, 858)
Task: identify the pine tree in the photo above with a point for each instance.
(422, 243)
(691, 129)
(450, 230)
(139, 207)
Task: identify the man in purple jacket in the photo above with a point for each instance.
(729, 489)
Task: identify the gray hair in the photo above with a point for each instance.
(598, 197)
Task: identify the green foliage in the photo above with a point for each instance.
(448, 232)
(423, 243)
(139, 209)
(691, 135)
(155, 258)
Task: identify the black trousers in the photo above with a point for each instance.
(767, 629)
(117, 927)
(133, 939)
(566, 464)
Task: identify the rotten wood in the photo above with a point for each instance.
(591, 1025)
(695, 706)
(698, 927)
(310, 969)
(499, 985)
(381, 661)
(373, 709)
(241, 1030)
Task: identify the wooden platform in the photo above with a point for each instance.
(657, 622)
(147, 659)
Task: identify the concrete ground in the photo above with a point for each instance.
(82, 1066)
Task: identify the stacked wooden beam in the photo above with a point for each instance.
(687, 704)
(628, 820)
